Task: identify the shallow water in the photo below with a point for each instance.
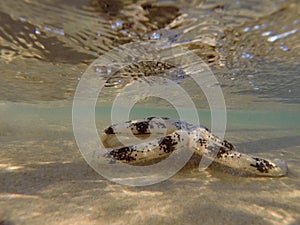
(253, 50)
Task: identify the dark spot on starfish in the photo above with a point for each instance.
(202, 141)
(123, 154)
(109, 130)
(262, 165)
(228, 145)
(222, 152)
(142, 127)
(167, 144)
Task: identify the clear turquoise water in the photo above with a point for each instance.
(43, 176)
